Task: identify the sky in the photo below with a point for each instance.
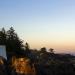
(41, 23)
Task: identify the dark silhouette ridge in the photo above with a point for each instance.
(44, 63)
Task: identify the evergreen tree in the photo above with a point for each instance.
(51, 50)
(27, 46)
(11, 40)
(3, 37)
(14, 43)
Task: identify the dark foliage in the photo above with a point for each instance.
(46, 63)
(11, 40)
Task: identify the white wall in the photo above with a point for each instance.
(3, 51)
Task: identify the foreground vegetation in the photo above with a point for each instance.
(44, 63)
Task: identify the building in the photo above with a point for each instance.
(3, 51)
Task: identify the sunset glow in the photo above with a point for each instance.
(41, 23)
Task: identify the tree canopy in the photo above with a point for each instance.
(10, 39)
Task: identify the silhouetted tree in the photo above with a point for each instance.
(14, 43)
(28, 50)
(27, 46)
(51, 50)
(3, 37)
(43, 50)
(11, 40)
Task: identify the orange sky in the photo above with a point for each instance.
(49, 23)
